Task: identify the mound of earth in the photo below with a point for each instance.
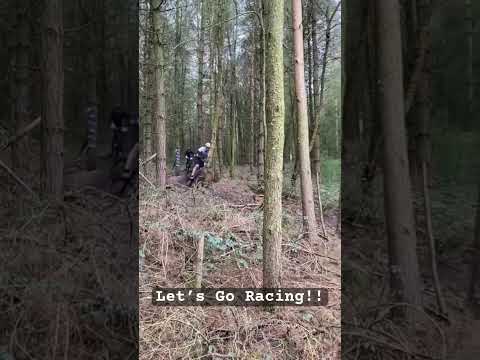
(233, 191)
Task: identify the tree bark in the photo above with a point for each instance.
(91, 108)
(52, 104)
(354, 70)
(275, 113)
(149, 83)
(215, 157)
(252, 108)
(160, 98)
(201, 58)
(316, 94)
(309, 221)
(319, 104)
(23, 99)
(470, 30)
(233, 96)
(262, 128)
(424, 146)
(404, 269)
(178, 75)
(475, 261)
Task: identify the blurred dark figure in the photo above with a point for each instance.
(176, 163)
(125, 128)
(119, 128)
(189, 154)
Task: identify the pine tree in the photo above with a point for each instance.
(275, 113)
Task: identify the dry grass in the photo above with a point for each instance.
(228, 210)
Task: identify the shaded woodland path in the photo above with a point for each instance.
(84, 252)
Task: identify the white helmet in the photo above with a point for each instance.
(208, 145)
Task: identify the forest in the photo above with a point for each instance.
(256, 84)
(239, 144)
(409, 194)
(68, 259)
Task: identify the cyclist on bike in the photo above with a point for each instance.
(199, 159)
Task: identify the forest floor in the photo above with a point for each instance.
(455, 335)
(229, 214)
(66, 268)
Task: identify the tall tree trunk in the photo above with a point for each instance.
(233, 96)
(133, 60)
(275, 113)
(475, 268)
(201, 58)
(310, 223)
(338, 116)
(404, 271)
(424, 147)
(262, 129)
(218, 108)
(92, 108)
(354, 70)
(211, 64)
(470, 30)
(326, 51)
(475, 260)
(293, 180)
(160, 128)
(177, 75)
(316, 95)
(149, 83)
(308, 37)
(52, 104)
(252, 107)
(233, 135)
(23, 87)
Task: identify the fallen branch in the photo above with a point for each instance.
(22, 133)
(20, 181)
(300, 248)
(148, 160)
(241, 206)
(145, 178)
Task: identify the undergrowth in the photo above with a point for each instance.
(229, 216)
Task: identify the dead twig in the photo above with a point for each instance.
(312, 252)
(148, 160)
(146, 179)
(20, 181)
(241, 206)
(22, 133)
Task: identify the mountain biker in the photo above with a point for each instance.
(199, 159)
